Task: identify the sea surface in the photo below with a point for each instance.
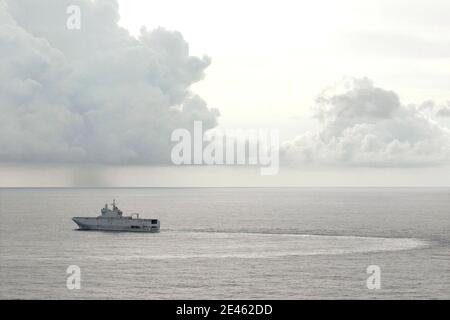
(229, 243)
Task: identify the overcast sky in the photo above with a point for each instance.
(360, 90)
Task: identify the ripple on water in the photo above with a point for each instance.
(188, 245)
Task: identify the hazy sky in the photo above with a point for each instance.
(360, 90)
(270, 59)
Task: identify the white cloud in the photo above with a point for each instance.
(444, 111)
(363, 125)
(95, 94)
(99, 95)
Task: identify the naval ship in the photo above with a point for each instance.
(113, 220)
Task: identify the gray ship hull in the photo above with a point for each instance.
(117, 224)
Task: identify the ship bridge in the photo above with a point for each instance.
(114, 212)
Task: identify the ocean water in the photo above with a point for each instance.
(229, 243)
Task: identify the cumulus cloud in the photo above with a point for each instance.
(363, 125)
(95, 94)
(444, 111)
